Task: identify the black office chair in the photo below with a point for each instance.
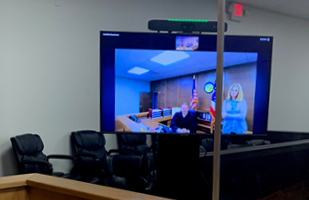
(136, 144)
(28, 151)
(126, 170)
(88, 148)
(115, 168)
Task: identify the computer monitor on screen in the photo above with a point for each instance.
(146, 76)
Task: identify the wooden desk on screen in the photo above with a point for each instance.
(124, 123)
(39, 187)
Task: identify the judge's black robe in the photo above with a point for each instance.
(189, 122)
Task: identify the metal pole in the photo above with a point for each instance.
(219, 75)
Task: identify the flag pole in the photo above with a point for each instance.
(219, 74)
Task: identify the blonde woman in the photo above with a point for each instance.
(234, 111)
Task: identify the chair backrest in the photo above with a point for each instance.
(116, 168)
(137, 142)
(89, 142)
(29, 147)
(126, 172)
(125, 165)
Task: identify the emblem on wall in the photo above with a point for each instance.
(209, 87)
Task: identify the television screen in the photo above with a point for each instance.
(166, 83)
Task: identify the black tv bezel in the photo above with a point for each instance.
(268, 81)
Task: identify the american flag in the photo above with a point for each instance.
(213, 103)
(194, 98)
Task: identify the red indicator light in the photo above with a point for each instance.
(238, 10)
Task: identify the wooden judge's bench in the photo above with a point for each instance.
(125, 124)
(43, 187)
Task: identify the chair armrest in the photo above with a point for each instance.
(80, 154)
(117, 151)
(56, 156)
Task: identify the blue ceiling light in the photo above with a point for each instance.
(169, 57)
(138, 70)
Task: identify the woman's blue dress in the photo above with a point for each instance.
(235, 116)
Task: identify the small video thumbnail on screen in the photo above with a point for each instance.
(173, 91)
(187, 43)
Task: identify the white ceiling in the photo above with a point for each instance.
(197, 61)
(292, 8)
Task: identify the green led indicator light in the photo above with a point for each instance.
(188, 20)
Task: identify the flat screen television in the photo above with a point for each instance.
(166, 82)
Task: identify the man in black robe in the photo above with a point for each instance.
(184, 121)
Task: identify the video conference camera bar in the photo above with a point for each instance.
(183, 25)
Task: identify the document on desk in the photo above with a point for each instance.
(143, 128)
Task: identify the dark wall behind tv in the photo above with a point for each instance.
(175, 91)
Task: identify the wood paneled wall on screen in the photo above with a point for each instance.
(174, 91)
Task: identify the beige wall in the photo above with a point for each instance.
(49, 65)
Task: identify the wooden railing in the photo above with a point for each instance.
(39, 187)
